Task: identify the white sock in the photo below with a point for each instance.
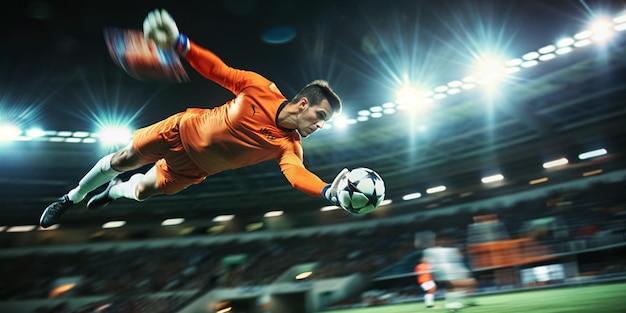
(429, 299)
(127, 189)
(99, 174)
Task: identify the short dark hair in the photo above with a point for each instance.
(318, 90)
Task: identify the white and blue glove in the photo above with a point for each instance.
(160, 27)
(330, 191)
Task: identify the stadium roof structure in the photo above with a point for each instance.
(58, 76)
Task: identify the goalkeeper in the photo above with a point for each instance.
(259, 124)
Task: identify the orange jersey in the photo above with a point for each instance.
(243, 131)
(423, 271)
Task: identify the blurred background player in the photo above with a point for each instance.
(449, 269)
(259, 124)
(424, 270)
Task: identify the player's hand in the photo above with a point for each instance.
(330, 191)
(160, 27)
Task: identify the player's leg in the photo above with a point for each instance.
(138, 187)
(105, 170)
(429, 288)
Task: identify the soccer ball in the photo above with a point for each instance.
(361, 191)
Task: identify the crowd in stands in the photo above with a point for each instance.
(596, 211)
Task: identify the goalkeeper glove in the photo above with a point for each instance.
(330, 191)
(160, 27)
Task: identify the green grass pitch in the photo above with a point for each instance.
(603, 298)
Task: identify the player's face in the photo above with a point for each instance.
(313, 118)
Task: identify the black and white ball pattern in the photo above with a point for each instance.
(361, 191)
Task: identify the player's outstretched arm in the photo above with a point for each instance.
(330, 191)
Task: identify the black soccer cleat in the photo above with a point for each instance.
(54, 211)
(102, 199)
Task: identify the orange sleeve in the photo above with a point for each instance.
(303, 180)
(293, 168)
(209, 65)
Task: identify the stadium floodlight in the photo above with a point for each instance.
(592, 154)
(9, 132)
(20, 228)
(376, 109)
(80, 134)
(530, 56)
(407, 95)
(330, 208)
(492, 179)
(172, 221)
(554, 163)
(114, 224)
(455, 84)
(490, 70)
(547, 49)
(564, 50)
(453, 91)
(112, 135)
(35, 133)
(441, 88)
(304, 275)
(566, 42)
(340, 122)
(547, 57)
(582, 43)
(273, 213)
(435, 189)
(601, 29)
(530, 63)
(411, 196)
(223, 218)
(583, 35)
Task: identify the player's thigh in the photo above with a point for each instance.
(176, 172)
(156, 141)
(126, 159)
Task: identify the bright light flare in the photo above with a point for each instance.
(602, 29)
(112, 135)
(490, 70)
(9, 132)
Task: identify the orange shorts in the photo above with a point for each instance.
(160, 143)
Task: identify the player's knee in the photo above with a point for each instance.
(125, 160)
(143, 192)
